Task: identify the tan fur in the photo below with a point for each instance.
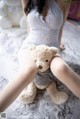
(40, 54)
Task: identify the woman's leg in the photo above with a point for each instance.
(14, 88)
(66, 75)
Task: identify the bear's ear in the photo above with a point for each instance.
(54, 50)
(32, 47)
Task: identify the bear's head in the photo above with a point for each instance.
(42, 55)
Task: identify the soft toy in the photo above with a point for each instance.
(11, 14)
(43, 55)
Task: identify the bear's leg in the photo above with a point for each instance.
(58, 97)
(28, 95)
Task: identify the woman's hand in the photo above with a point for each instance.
(62, 47)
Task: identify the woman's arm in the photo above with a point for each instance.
(24, 3)
(65, 5)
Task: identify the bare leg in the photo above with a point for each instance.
(66, 75)
(14, 88)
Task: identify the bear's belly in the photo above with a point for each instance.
(43, 79)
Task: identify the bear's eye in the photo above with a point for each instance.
(46, 60)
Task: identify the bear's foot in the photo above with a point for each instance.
(58, 97)
(28, 95)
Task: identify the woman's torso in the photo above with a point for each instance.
(45, 32)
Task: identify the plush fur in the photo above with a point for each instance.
(43, 55)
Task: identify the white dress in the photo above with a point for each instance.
(43, 32)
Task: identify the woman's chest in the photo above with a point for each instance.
(53, 19)
(54, 16)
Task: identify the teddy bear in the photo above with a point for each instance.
(11, 14)
(42, 55)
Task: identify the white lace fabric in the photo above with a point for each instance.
(45, 32)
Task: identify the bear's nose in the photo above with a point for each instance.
(40, 67)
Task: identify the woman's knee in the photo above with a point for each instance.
(26, 62)
(58, 67)
(31, 69)
(28, 66)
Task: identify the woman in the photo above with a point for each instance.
(46, 19)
